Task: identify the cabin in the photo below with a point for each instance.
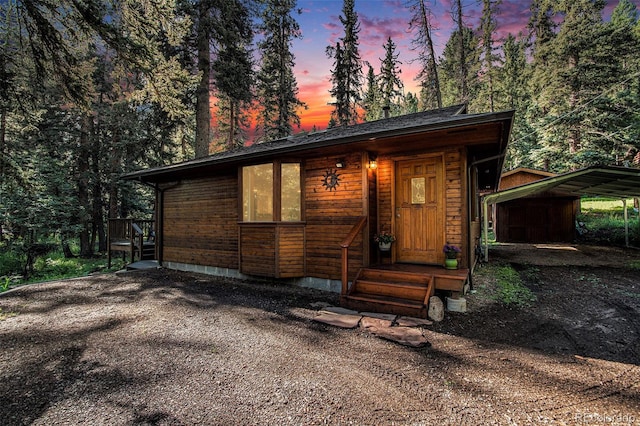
(548, 216)
(306, 209)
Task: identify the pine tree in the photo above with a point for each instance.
(453, 91)
(422, 19)
(277, 86)
(371, 103)
(346, 76)
(490, 60)
(579, 71)
(462, 58)
(233, 64)
(391, 86)
(511, 84)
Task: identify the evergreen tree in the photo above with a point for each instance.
(581, 71)
(411, 104)
(462, 58)
(372, 104)
(453, 91)
(233, 64)
(511, 84)
(277, 87)
(490, 60)
(346, 76)
(391, 86)
(421, 20)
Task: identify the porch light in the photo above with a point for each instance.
(373, 161)
(340, 164)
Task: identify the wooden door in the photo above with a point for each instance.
(420, 210)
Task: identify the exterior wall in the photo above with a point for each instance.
(455, 198)
(330, 215)
(521, 177)
(199, 224)
(272, 249)
(536, 220)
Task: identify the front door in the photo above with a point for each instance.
(420, 210)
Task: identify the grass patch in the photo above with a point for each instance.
(604, 220)
(48, 267)
(55, 266)
(503, 284)
(510, 289)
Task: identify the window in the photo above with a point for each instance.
(290, 190)
(260, 200)
(257, 193)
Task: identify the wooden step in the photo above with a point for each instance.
(411, 291)
(389, 291)
(394, 276)
(384, 304)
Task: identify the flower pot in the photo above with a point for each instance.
(451, 263)
(384, 246)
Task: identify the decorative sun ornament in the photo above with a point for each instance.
(331, 180)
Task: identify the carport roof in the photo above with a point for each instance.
(606, 181)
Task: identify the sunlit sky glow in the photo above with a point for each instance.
(379, 19)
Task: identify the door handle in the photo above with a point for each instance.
(398, 211)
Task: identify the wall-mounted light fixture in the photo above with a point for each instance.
(373, 161)
(340, 163)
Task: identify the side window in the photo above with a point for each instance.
(260, 197)
(257, 193)
(290, 193)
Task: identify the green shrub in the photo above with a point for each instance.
(56, 266)
(11, 263)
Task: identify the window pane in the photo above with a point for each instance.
(290, 210)
(257, 193)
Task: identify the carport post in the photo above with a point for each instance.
(626, 222)
(485, 230)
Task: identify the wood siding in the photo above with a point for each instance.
(199, 224)
(272, 249)
(330, 215)
(521, 177)
(536, 220)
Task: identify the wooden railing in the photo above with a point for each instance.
(346, 243)
(129, 236)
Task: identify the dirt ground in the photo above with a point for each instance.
(172, 348)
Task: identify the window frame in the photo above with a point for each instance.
(276, 214)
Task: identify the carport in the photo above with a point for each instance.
(602, 181)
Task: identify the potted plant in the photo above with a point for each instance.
(451, 256)
(384, 240)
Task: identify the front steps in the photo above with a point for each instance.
(390, 291)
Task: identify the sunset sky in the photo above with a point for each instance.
(379, 19)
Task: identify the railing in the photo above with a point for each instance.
(129, 236)
(345, 251)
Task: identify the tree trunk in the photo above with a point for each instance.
(98, 230)
(433, 67)
(463, 57)
(86, 250)
(203, 113)
(3, 132)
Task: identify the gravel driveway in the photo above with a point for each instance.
(173, 348)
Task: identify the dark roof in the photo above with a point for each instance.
(438, 119)
(607, 181)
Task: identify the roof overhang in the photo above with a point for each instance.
(379, 137)
(604, 181)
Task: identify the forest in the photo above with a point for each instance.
(92, 89)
